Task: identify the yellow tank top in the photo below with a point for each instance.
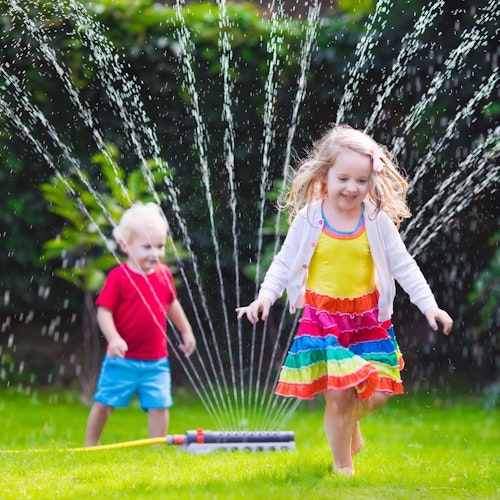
(342, 264)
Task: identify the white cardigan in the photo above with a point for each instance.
(392, 261)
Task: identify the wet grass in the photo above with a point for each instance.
(416, 447)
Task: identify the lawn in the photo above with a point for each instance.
(417, 447)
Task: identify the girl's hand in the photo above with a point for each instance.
(436, 315)
(117, 348)
(252, 310)
(188, 343)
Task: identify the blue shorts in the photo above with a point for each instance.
(121, 378)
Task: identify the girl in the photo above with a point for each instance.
(339, 261)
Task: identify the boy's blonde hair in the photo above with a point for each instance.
(388, 187)
(138, 217)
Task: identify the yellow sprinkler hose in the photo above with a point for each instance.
(126, 444)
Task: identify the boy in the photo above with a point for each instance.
(132, 311)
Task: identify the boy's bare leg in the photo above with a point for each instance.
(158, 422)
(98, 417)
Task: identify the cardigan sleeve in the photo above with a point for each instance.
(289, 267)
(280, 270)
(405, 269)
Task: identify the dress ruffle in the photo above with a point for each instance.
(341, 344)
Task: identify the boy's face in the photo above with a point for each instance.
(145, 248)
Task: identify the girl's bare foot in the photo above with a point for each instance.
(357, 442)
(345, 471)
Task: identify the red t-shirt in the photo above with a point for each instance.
(139, 305)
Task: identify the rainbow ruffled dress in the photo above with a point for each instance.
(340, 342)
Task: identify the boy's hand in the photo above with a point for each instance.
(436, 315)
(188, 345)
(117, 348)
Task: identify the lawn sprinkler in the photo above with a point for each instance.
(200, 441)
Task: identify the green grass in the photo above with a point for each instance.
(416, 448)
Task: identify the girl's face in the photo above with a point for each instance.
(348, 181)
(145, 249)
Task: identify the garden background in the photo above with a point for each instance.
(53, 261)
(202, 107)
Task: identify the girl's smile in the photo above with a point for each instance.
(348, 181)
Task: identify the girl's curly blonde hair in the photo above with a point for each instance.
(388, 187)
